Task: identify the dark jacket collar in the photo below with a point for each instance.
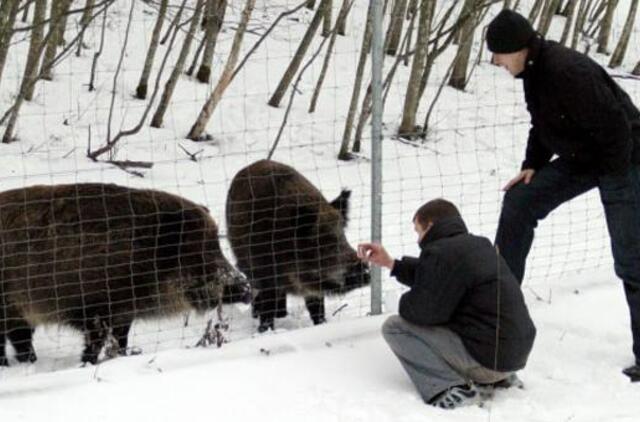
(447, 227)
(535, 46)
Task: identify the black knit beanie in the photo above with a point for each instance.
(509, 32)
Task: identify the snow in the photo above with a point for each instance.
(340, 371)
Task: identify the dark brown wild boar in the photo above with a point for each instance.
(288, 238)
(98, 256)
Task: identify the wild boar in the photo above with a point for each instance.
(288, 238)
(97, 256)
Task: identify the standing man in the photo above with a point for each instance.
(463, 321)
(580, 116)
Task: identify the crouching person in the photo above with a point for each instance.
(463, 325)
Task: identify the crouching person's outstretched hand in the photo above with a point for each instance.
(375, 254)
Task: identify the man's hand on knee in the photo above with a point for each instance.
(524, 176)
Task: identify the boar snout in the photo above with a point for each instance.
(357, 276)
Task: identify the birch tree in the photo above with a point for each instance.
(59, 9)
(394, 33)
(227, 75)
(141, 89)
(458, 78)
(343, 154)
(8, 14)
(412, 96)
(35, 50)
(294, 65)
(547, 16)
(571, 13)
(621, 48)
(84, 22)
(170, 86)
(605, 27)
(214, 24)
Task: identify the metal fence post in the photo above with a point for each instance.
(376, 148)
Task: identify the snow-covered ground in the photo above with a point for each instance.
(345, 372)
(342, 370)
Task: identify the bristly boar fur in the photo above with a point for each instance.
(288, 238)
(98, 256)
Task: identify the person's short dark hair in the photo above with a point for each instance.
(509, 32)
(434, 210)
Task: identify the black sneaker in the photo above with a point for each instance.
(633, 372)
(460, 395)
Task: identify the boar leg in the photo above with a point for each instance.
(315, 306)
(3, 356)
(93, 327)
(17, 330)
(22, 339)
(268, 305)
(121, 333)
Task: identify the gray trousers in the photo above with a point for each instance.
(434, 357)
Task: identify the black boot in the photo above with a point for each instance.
(632, 372)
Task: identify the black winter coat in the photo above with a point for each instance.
(461, 283)
(578, 112)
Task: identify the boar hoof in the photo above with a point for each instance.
(91, 358)
(4, 361)
(319, 320)
(29, 356)
(266, 325)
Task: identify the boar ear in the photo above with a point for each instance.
(341, 203)
(306, 222)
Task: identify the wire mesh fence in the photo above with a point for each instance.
(177, 102)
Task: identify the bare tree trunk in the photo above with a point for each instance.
(174, 22)
(25, 13)
(412, 97)
(170, 86)
(458, 78)
(346, 6)
(33, 57)
(365, 109)
(507, 4)
(636, 70)
(141, 90)
(311, 4)
(595, 20)
(84, 21)
(30, 68)
(214, 24)
(581, 19)
(299, 55)
(227, 75)
(59, 9)
(535, 11)
(357, 85)
(97, 54)
(605, 27)
(326, 20)
(196, 57)
(547, 16)
(571, 12)
(394, 33)
(621, 48)
(8, 14)
(111, 142)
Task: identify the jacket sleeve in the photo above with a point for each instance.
(404, 270)
(537, 155)
(599, 116)
(434, 296)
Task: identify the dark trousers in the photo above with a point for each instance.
(556, 183)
